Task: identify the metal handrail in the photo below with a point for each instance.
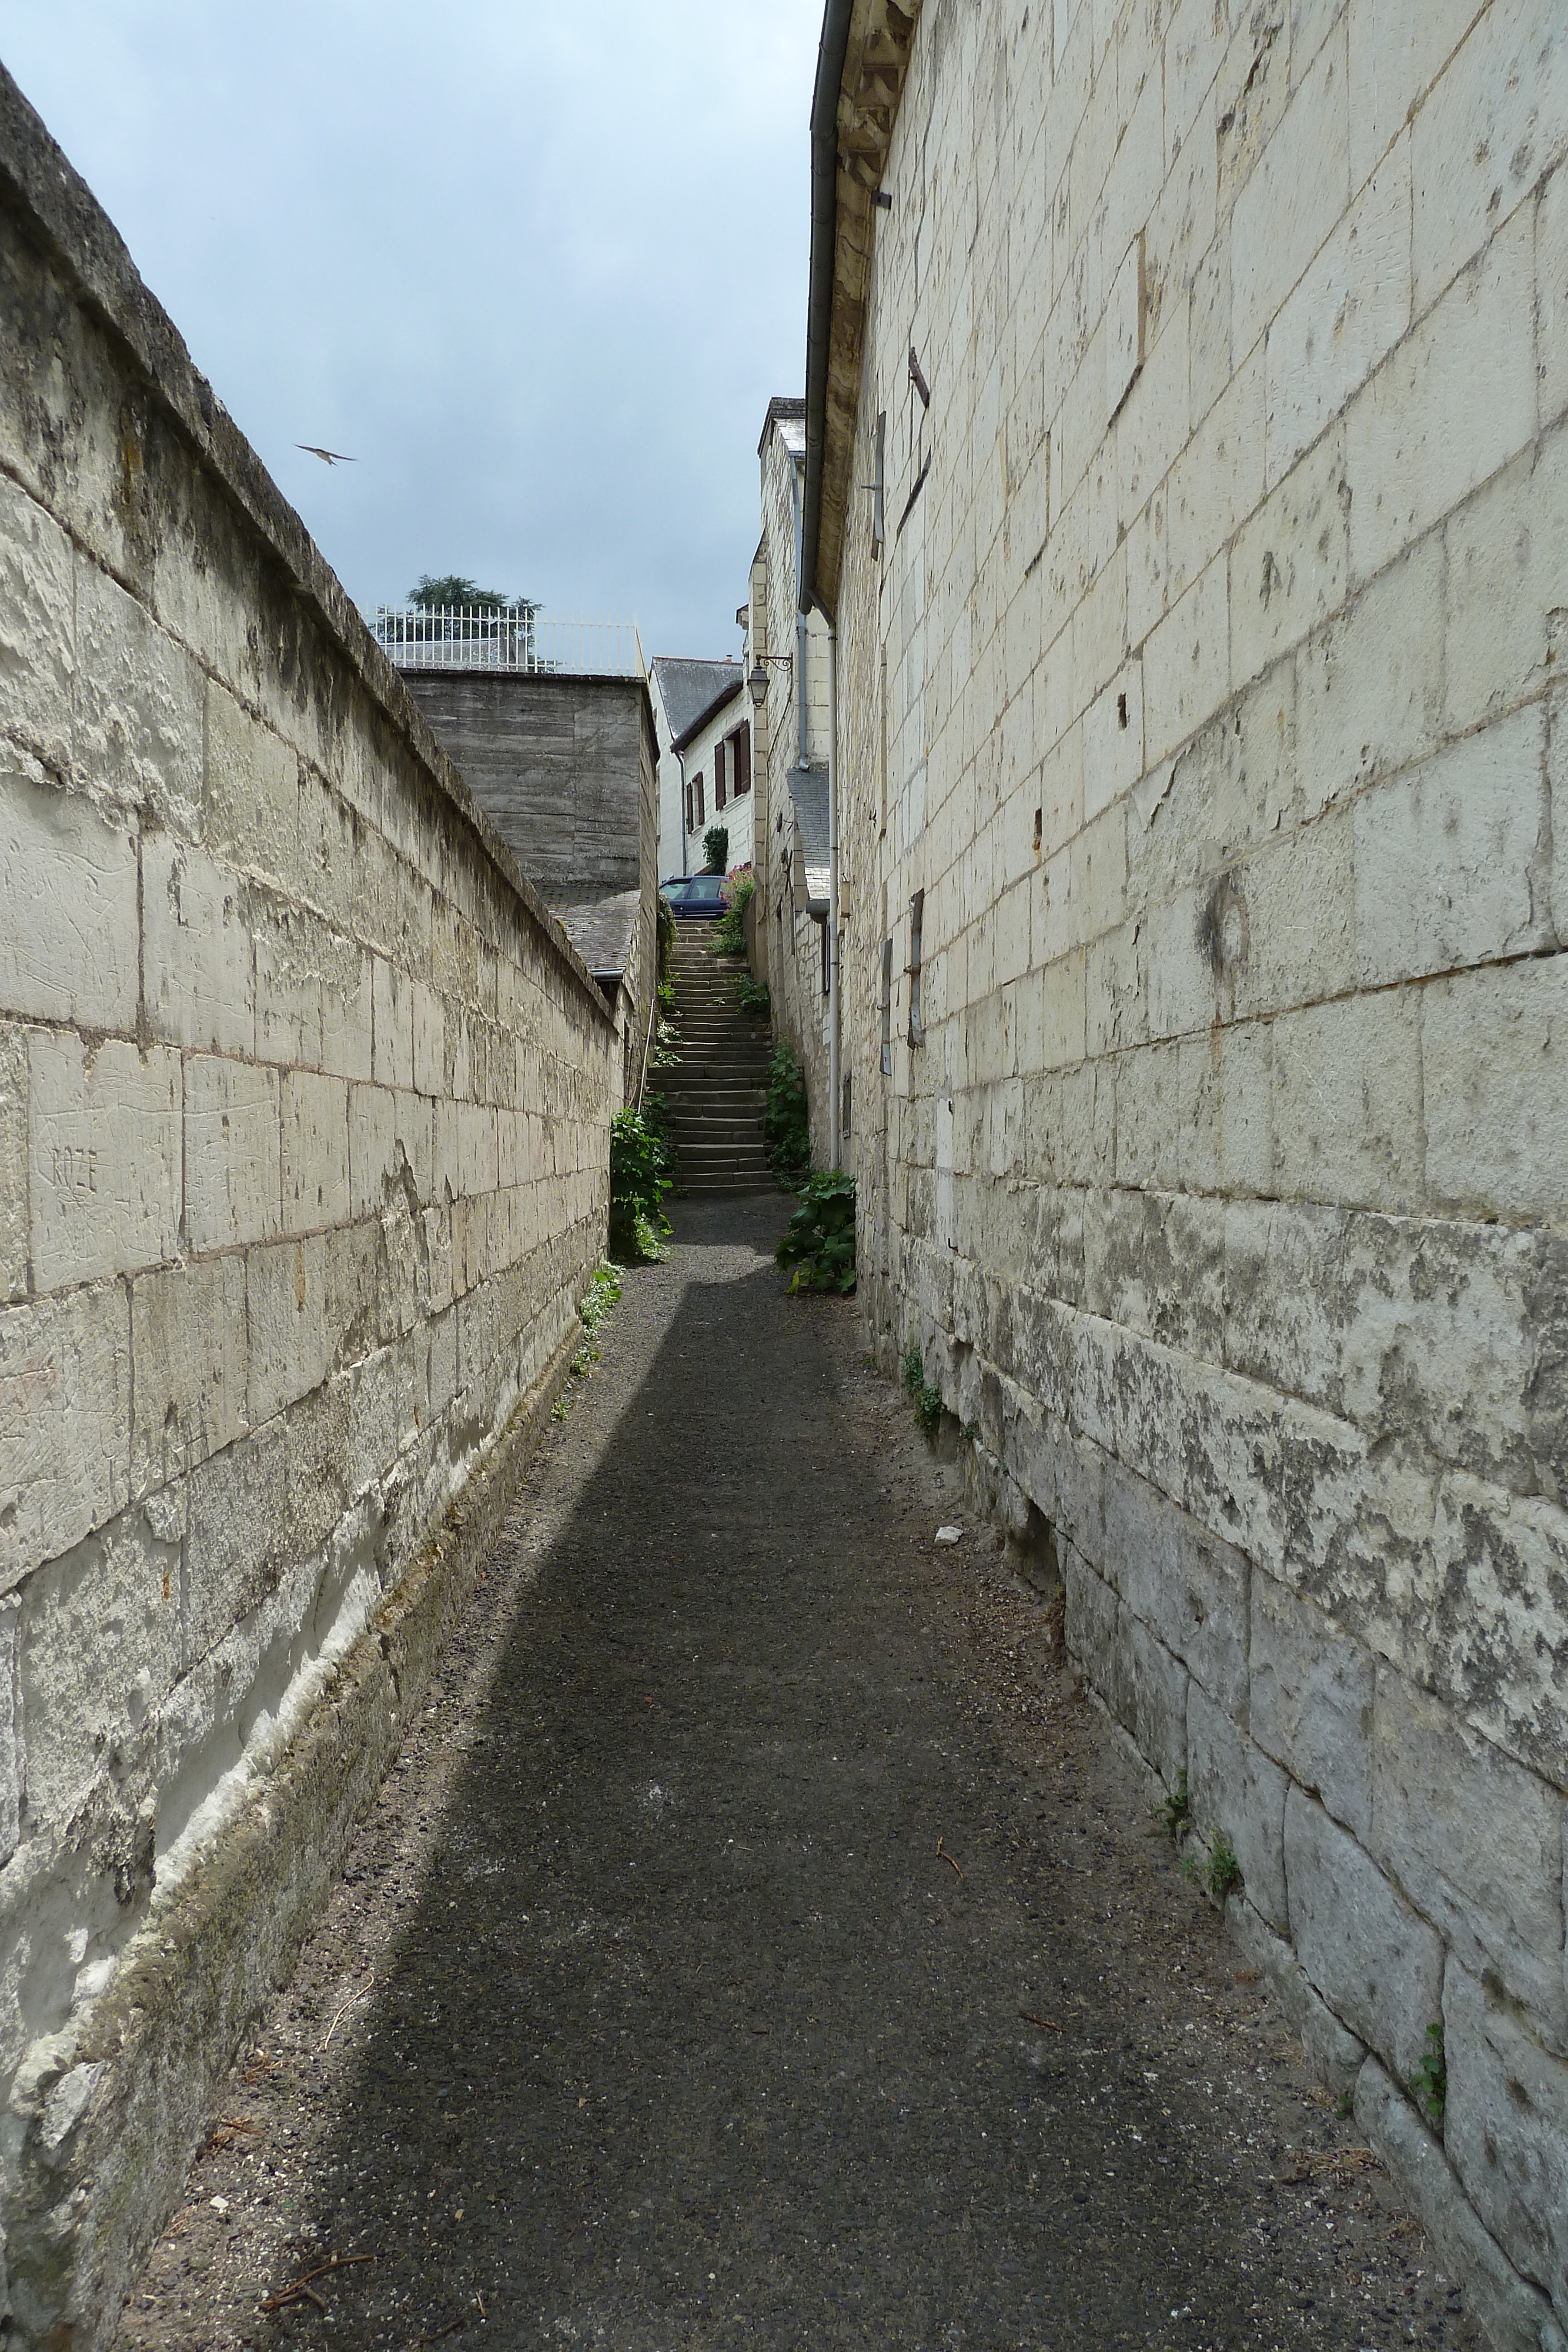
(509, 637)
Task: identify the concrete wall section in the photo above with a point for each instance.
(303, 1163)
(558, 763)
(1213, 677)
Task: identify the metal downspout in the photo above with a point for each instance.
(831, 57)
(835, 1094)
(801, 754)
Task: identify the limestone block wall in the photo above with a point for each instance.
(1216, 671)
(303, 1163)
(793, 952)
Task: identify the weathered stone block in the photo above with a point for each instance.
(1332, 2048)
(37, 650)
(1449, 860)
(69, 940)
(1376, 1962)
(65, 1431)
(1501, 1566)
(1494, 1044)
(1476, 1843)
(252, 795)
(105, 1180)
(1452, 404)
(1187, 1587)
(1090, 1621)
(13, 1162)
(386, 1407)
(1348, 309)
(390, 1148)
(1516, 2318)
(139, 698)
(1154, 1692)
(260, 1509)
(233, 1180)
(1311, 1701)
(316, 1189)
(187, 1354)
(99, 1648)
(10, 1753)
(1233, 1787)
(392, 998)
(1505, 2126)
(1290, 560)
(1346, 1101)
(198, 957)
(290, 1341)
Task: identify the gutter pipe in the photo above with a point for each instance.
(835, 1092)
(802, 755)
(831, 58)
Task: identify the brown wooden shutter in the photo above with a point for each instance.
(717, 777)
(741, 738)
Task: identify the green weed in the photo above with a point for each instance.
(642, 1170)
(786, 1125)
(1174, 1812)
(926, 1399)
(1213, 1865)
(1430, 2080)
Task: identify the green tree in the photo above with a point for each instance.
(453, 588)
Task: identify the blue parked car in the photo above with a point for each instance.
(694, 898)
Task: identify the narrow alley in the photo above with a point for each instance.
(759, 1941)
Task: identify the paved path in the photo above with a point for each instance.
(651, 2014)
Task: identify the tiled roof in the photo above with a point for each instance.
(689, 689)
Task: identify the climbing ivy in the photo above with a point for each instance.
(786, 1126)
(642, 1170)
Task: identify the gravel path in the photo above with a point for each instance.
(760, 1941)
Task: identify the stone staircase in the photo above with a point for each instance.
(716, 1091)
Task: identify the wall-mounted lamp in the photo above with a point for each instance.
(758, 682)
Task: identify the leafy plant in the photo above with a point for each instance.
(1430, 2080)
(716, 848)
(642, 1170)
(1212, 1864)
(729, 931)
(602, 1294)
(820, 1239)
(786, 1125)
(1173, 1813)
(927, 1401)
(665, 934)
(751, 995)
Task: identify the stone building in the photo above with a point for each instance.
(792, 856)
(684, 693)
(1186, 477)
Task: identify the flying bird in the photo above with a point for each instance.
(327, 456)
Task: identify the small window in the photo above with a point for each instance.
(886, 1006)
(916, 1019)
(827, 958)
(844, 1110)
(718, 792)
(691, 806)
(740, 761)
(701, 808)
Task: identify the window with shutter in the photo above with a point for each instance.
(741, 738)
(886, 1008)
(689, 807)
(717, 777)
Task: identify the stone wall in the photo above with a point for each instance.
(792, 951)
(303, 1164)
(1215, 670)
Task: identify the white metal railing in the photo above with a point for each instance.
(505, 637)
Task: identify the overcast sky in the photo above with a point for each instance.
(537, 269)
